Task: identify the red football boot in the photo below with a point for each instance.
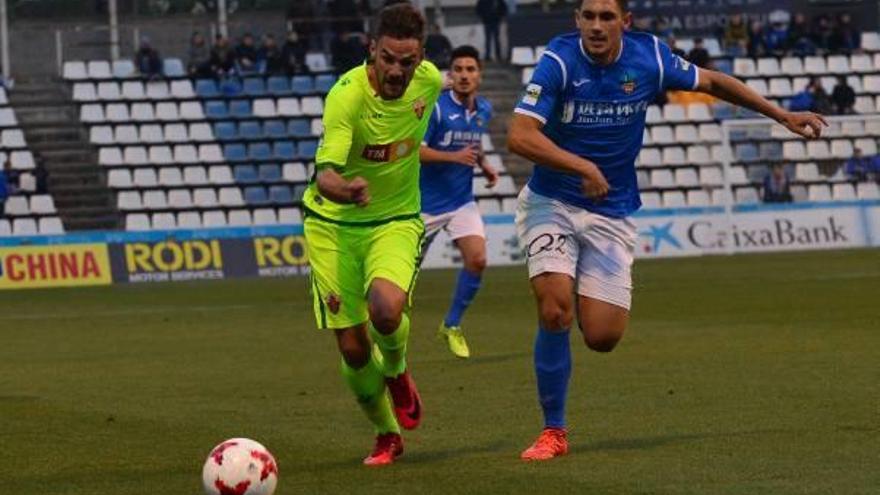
(388, 447)
(407, 403)
(551, 443)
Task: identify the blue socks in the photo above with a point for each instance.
(552, 369)
(465, 290)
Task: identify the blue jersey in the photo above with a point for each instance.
(598, 112)
(448, 186)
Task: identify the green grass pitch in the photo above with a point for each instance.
(738, 375)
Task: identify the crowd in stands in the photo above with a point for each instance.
(785, 35)
(221, 59)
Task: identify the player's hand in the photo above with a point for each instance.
(594, 184)
(469, 155)
(805, 124)
(358, 192)
(491, 176)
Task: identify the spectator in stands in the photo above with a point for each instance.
(348, 51)
(800, 42)
(269, 57)
(813, 98)
(438, 47)
(492, 14)
(147, 60)
(699, 56)
(822, 32)
(294, 54)
(5, 184)
(843, 97)
(199, 56)
(246, 55)
(757, 46)
(736, 36)
(858, 166)
(673, 45)
(845, 37)
(222, 58)
(777, 186)
(776, 37)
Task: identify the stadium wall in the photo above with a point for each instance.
(103, 258)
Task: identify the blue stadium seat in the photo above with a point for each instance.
(259, 151)
(737, 135)
(275, 128)
(285, 150)
(771, 151)
(270, 172)
(235, 152)
(278, 85)
(308, 148)
(207, 88)
(302, 85)
(323, 82)
(254, 86)
(280, 195)
(245, 174)
(216, 109)
(723, 111)
(231, 87)
(746, 152)
(173, 67)
(256, 195)
(225, 131)
(724, 65)
(299, 191)
(250, 129)
(240, 108)
(299, 128)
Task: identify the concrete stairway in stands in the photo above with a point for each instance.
(502, 86)
(50, 121)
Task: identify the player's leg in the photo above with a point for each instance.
(339, 303)
(467, 231)
(391, 267)
(605, 281)
(547, 233)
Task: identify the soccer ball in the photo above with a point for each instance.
(240, 466)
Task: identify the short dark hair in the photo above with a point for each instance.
(465, 51)
(623, 4)
(400, 21)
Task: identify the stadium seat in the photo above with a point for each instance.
(155, 200)
(214, 219)
(311, 105)
(142, 112)
(650, 157)
(686, 177)
(137, 222)
(207, 88)
(698, 155)
(699, 112)
(662, 134)
(135, 155)
(867, 145)
(288, 107)
(838, 64)
(99, 69)
(246, 174)
(747, 195)
(164, 221)
(173, 67)
(275, 129)
(746, 152)
(794, 150)
(264, 108)
(686, 134)
(170, 177)
(192, 110)
(698, 197)
(643, 179)
(300, 128)
(210, 153)
(185, 154)
(280, 195)
(240, 218)
(771, 150)
(674, 113)
(17, 206)
(744, 67)
(843, 192)
(158, 90)
(13, 138)
(205, 197)
(126, 134)
(759, 85)
(324, 82)
(256, 195)
(182, 89)
(259, 151)
(710, 133)
(129, 201)
(815, 65)
(216, 109)
(674, 155)
(870, 41)
(818, 150)
(235, 152)
(283, 150)
(254, 86)
(819, 192)
(176, 133)
(265, 216)
(195, 176)
(133, 90)
(220, 175)
(167, 111)
(289, 216)
(240, 108)
(250, 130)
(861, 63)
(864, 105)
(806, 172)
(277, 85)
(119, 179)
(180, 199)
(269, 172)
(868, 190)
(75, 70)
(84, 92)
(294, 172)
(50, 226)
(651, 200)
(317, 62)
(201, 132)
(780, 87)
(841, 148)
(110, 156)
(738, 175)
(768, 67)
(189, 220)
(230, 196)
(161, 155)
(308, 148)
(522, 56)
(654, 115)
(662, 178)
(527, 73)
(674, 199)
(302, 85)
(117, 112)
(792, 66)
(226, 130)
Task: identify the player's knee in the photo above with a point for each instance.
(475, 264)
(604, 342)
(386, 316)
(355, 355)
(555, 314)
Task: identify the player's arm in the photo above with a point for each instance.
(732, 90)
(467, 156)
(524, 137)
(334, 187)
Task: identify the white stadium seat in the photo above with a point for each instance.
(129, 200)
(180, 199)
(651, 200)
(214, 219)
(768, 67)
(265, 216)
(838, 64)
(24, 226)
(806, 172)
(698, 197)
(240, 218)
(205, 198)
(522, 56)
(195, 176)
(819, 192)
(164, 221)
(289, 216)
(792, 66)
(843, 192)
(42, 204)
(744, 67)
(868, 190)
(189, 220)
(99, 69)
(170, 177)
(747, 195)
(686, 177)
(51, 226)
(674, 199)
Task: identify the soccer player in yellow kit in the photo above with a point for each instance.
(363, 224)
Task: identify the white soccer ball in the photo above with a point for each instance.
(240, 466)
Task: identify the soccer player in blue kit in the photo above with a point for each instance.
(581, 121)
(450, 152)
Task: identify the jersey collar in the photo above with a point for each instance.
(468, 112)
(590, 59)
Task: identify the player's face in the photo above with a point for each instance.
(602, 23)
(395, 61)
(465, 74)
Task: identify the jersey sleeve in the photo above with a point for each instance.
(338, 129)
(544, 89)
(676, 73)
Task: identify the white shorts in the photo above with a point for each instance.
(594, 250)
(462, 222)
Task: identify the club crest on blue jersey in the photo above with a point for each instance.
(628, 83)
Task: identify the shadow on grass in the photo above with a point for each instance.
(645, 443)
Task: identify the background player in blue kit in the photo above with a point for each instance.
(450, 152)
(581, 121)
